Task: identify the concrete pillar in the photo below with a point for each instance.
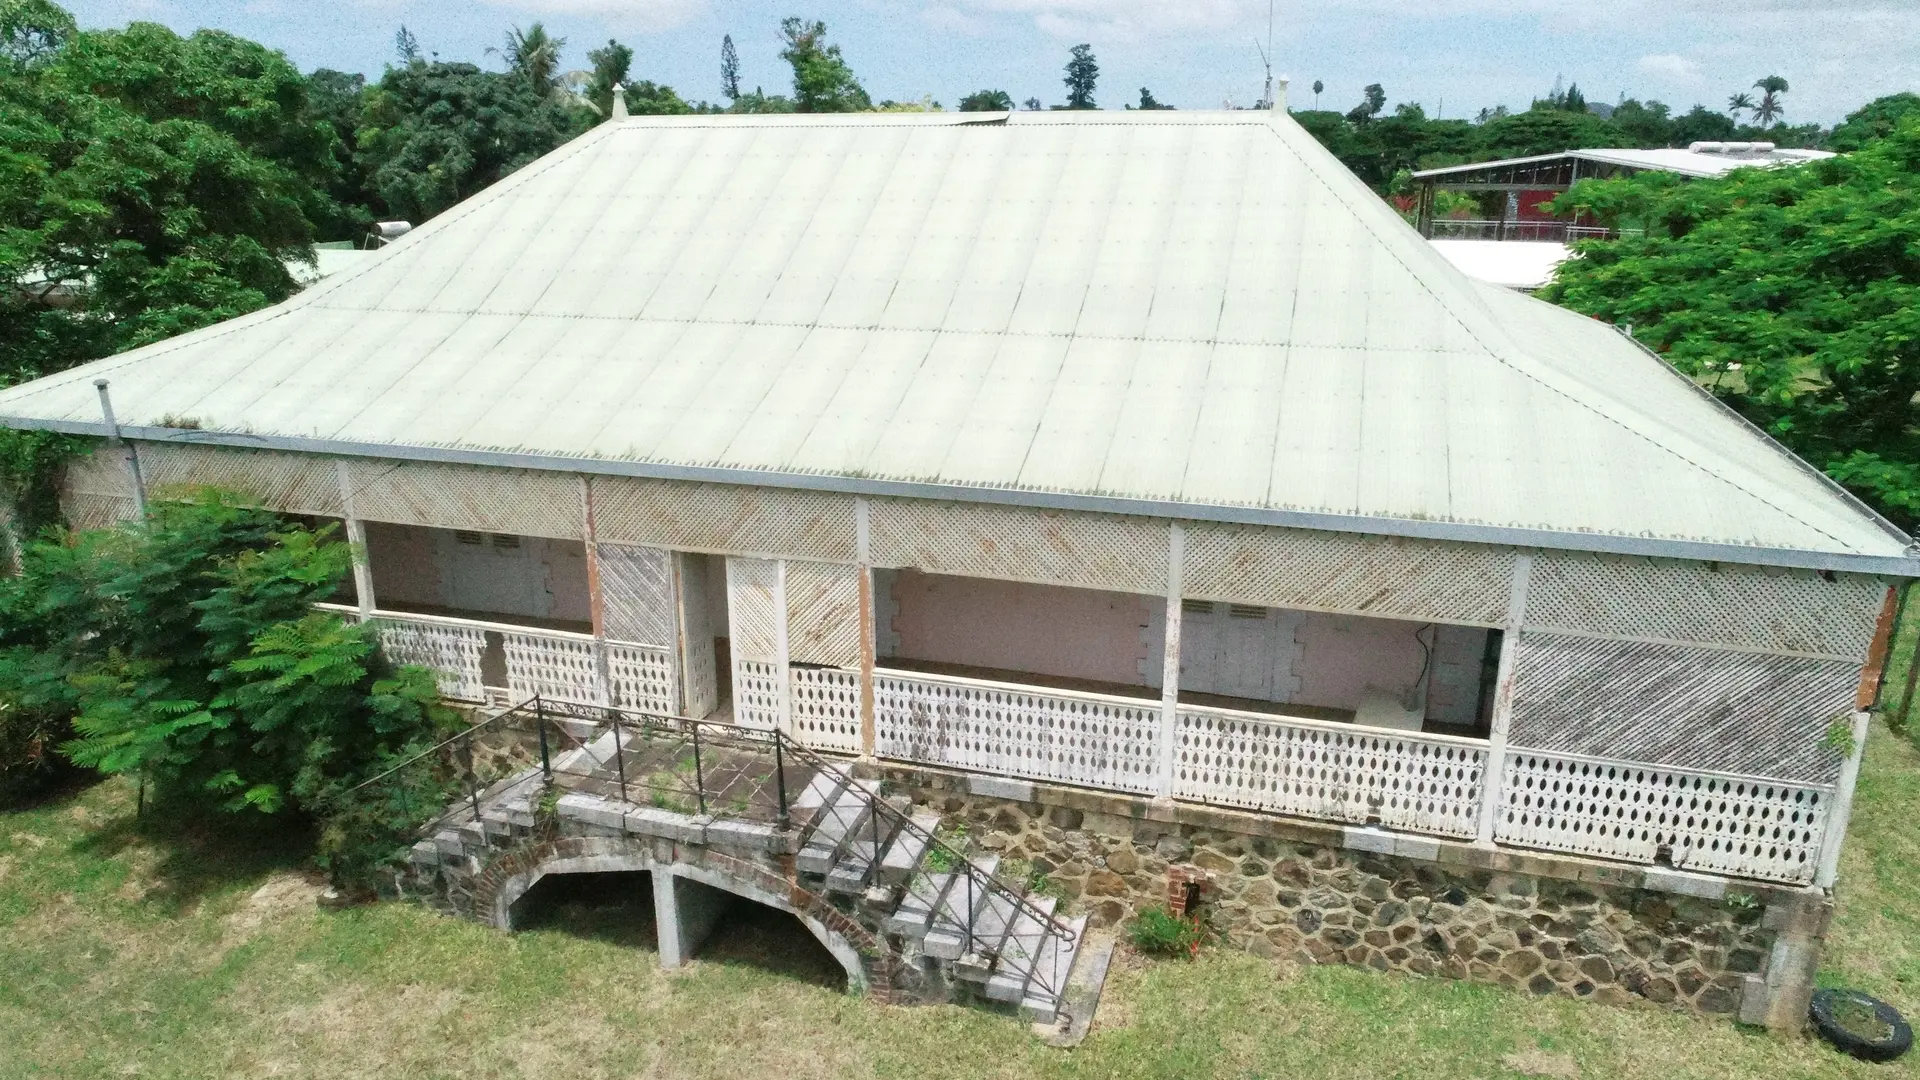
(863, 545)
(356, 540)
(1170, 660)
(1778, 997)
(685, 912)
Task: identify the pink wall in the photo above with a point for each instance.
(1046, 629)
(1342, 656)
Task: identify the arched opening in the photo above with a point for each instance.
(615, 906)
(752, 934)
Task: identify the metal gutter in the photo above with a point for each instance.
(1902, 567)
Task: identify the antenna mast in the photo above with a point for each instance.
(1266, 59)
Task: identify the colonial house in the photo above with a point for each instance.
(1142, 471)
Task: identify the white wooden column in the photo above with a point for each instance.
(1170, 661)
(356, 540)
(1492, 776)
(596, 608)
(1842, 809)
(863, 554)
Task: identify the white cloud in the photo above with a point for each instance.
(1670, 66)
(639, 14)
(1120, 20)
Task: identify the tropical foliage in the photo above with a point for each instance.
(1793, 294)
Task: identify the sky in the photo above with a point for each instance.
(1451, 56)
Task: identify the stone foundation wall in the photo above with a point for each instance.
(1326, 894)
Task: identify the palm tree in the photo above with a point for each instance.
(1770, 109)
(1739, 103)
(1317, 87)
(535, 55)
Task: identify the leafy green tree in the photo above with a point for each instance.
(987, 101)
(729, 69)
(1374, 100)
(32, 32)
(1643, 123)
(534, 55)
(1544, 130)
(646, 98)
(1148, 101)
(1082, 73)
(1702, 124)
(1875, 120)
(1793, 294)
(761, 102)
(822, 81)
(1771, 108)
(433, 134)
(405, 45)
(610, 67)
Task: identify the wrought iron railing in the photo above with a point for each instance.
(717, 768)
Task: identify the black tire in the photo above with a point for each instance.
(1898, 1039)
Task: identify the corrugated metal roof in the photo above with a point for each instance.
(1684, 161)
(1201, 312)
(1512, 264)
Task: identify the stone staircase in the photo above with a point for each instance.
(962, 931)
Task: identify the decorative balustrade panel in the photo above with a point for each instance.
(826, 708)
(552, 665)
(759, 690)
(1742, 827)
(641, 678)
(1401, 780)
(450, 650)
(1056, 736)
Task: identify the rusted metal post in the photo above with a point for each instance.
(699, 781)
(619, 756)
(1492, 775)
(540, 722)
(780, 781)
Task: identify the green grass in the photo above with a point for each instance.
(155, 953)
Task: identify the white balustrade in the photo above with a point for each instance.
(553, 664)
(758, 689)
(641, 677)
(1055, 735)
(1692, 820)
(826, 708)
(448, 647)
(1332, 771)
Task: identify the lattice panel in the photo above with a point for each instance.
(726, 519)
(1347, 573)
(275, 480)
(1097, 551)
(556, 666)
(450, 651)
(756, 611)
(823, 614)
(1335, 772)
(1085, 739)
(1713, 604)
(636, 594)
(468, 497)
(84, 511)
(1718, 825)
(826, 708)
(641, 678)
(1750, 714)
(103, 472)
(759, 693)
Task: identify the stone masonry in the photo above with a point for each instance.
(1326, 894)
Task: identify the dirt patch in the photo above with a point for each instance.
(1534, 1061)
(32, 840)
(6, 867)
(284, 896)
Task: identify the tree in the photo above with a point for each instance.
(1317, 87)
(1794, 294)
(1702, 124)
(822, 80)
(434, 133)
(729, 69)
(1544, 130)
(1147, 101)
(1739, 103)
(406, 45)
(1643, 124)
(1875, 120)
(1770, 109)
(611, 64)
(534, 55)
(1370, 105)
(987, 101)
(31, 32)
(1032, 104)
(1082, 73)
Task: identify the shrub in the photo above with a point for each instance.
(1159, 932)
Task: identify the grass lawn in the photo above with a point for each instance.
(126, 952)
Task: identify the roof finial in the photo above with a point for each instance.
(619, 102)
(1280, 96)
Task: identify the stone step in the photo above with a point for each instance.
(1052, 970)
(1021, 948)
(923, 897)
(948, 935)
(855, 864)
(842, 819)
(903, 855)
(992, 923)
